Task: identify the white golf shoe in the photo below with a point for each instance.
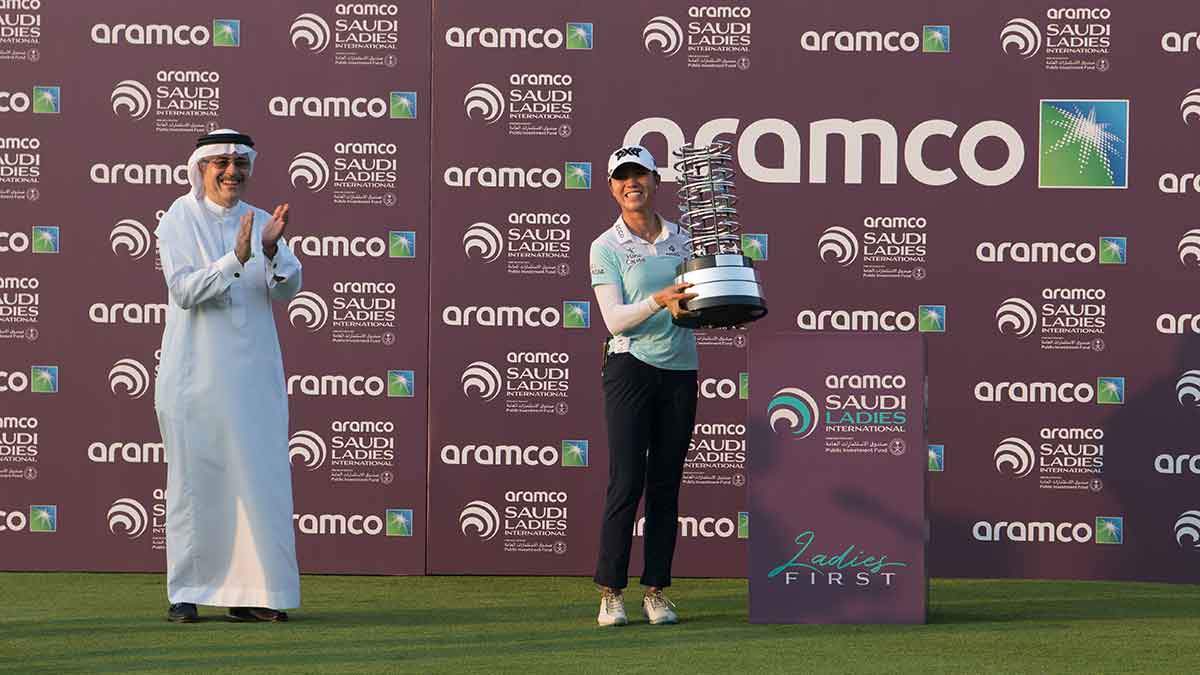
(612, 610)
(658, 609)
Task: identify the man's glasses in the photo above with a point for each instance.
(222, 163)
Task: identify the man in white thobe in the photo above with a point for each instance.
(220, 396)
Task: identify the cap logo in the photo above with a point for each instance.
(625, 152)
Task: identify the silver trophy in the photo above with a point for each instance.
(727, 287)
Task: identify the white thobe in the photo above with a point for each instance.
(222, 410)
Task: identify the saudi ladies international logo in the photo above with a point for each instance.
(308, 309)
(484, 102)
(838, 244)
(129, 376)
(483, 241)
(483, 378)
(132, 236)
(1014, 457)
(129, 517)
(309, 448)
(1083, 144)
(1187, 527)
(1021, 36)
(662, 35)
(309, 169)
(311, 32)
(794, 412)
(480, 518)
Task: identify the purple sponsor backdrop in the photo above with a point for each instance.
(837, 479)
(899, 182)
(121, 105)
(880, 172)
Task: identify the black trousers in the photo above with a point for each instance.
(650, 413)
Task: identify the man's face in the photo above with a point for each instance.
(634, 187)
(225, 177)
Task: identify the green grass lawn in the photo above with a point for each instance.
(114, 622)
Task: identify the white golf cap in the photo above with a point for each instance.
(631, 154)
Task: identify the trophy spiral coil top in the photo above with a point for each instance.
(708, 199)
(727, 288)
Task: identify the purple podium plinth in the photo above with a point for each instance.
(837, 465)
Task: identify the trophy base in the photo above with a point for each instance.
(722, 312)
(727, 291)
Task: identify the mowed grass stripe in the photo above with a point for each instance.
(66, 622)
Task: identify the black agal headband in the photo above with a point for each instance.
(236, 139)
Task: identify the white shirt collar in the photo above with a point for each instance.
(624, 235)
(218, 210)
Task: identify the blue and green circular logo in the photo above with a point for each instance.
(794, 412)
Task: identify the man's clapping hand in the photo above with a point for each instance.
(273, 230)
(242, 248)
